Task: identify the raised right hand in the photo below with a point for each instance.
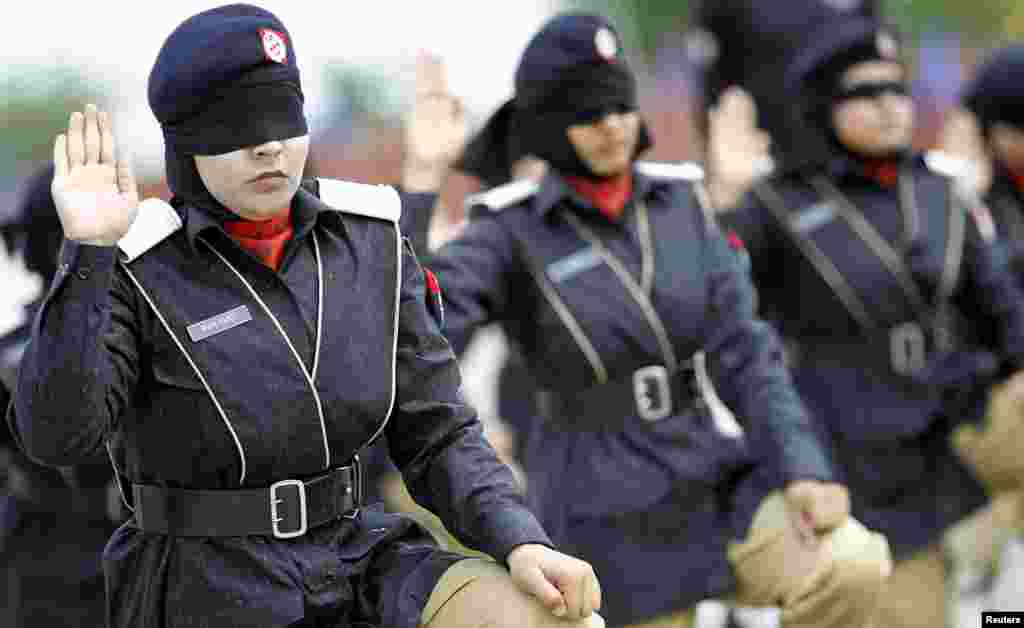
(962, 137)
(435, 128)
(738, 151)
(94, 190)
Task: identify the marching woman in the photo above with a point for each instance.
(236, 350)
(609, 278)
(898, 312)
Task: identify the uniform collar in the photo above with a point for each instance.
(844, 167)
(1006, 181)
(1004, 186)
(307, 211)
(554, 189)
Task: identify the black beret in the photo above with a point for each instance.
(996, 93)
(214, 50)
(570, 48)
(573, 71)
(734, 41)
(751, 44)
(835, 47)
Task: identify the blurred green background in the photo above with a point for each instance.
(360, 104)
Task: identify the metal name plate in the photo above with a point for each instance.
(219, 323)
(813, 217)
(574, 264)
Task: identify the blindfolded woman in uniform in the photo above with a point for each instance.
(610, 279)
(898, 312)
(235, 351)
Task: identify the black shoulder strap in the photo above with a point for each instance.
(828, 271)
(564, 313)
(956, 234)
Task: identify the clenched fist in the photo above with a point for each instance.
(817, 507)
(94, 190)
(567, 586)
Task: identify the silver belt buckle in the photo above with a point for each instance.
(908, 349)
(276, 519)
(652, 393)
(356, 489)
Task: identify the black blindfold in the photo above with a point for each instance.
(870, 90)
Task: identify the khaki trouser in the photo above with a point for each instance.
(834, 582)
(915, 594)
(994, 451)
(975, 543)
(994, 454)
(478, 593)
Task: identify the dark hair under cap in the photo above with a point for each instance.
(225, 79)
(492, 153)
(996, 93)
(572, 70)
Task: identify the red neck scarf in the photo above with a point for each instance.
(1018, 180)
(885, 172)
(608, 195)
(264, 239)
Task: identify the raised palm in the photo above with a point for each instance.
(94, 191)
(962, 138)
(435, 130)
(738, 151)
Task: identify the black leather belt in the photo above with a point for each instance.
(286, 509)
(651, 393)
(905, 350)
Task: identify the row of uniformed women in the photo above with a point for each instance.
(615, 285)
(610, 277)
(992, 112)
(892, 252)
(898, 310)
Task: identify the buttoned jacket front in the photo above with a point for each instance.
(104, 370)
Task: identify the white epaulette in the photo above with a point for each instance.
(686, 170)
(498, 198)
(944, 163)
(375, 201)
(154, 223)
(966, 176)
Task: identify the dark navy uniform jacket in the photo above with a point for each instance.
(103, 371)
(53, 523)
(519, 262)
(1006, 206)
(888, 428)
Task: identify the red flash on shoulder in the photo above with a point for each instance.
(434, 299)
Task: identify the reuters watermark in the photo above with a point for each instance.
(1002, 618)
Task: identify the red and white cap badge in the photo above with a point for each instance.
(274, 45)
(887, 46)
(606, 44)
